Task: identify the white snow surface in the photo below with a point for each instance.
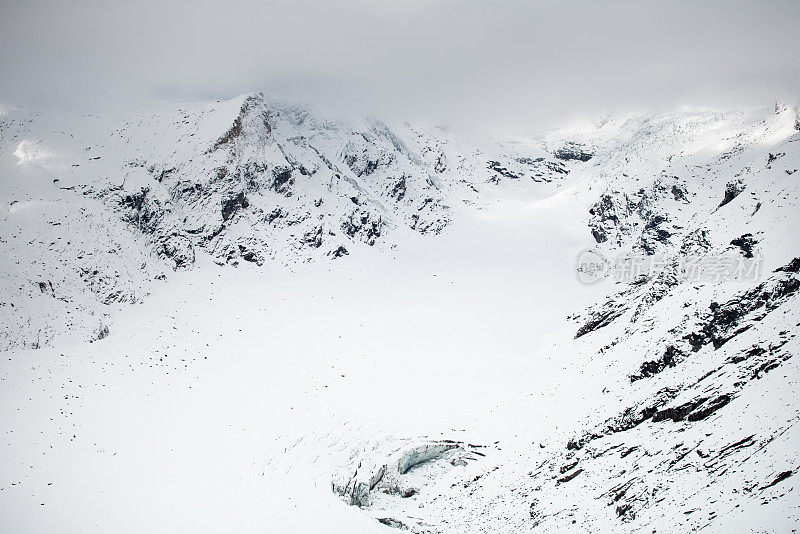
(170, 366)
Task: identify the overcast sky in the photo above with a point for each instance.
(510, 64)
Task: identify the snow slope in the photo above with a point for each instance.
(190, 348)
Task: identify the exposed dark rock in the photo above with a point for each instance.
(773, 157)
(364, 163)
(47, 287)
(338, 252)
(708, 408)
(399, 189)
(141, 211)
(391, 522)
(543, 170)
(187, 191)
(695, 243)
(100, 333)
(313, 238)
(567, 478)
(369, 167)
(723, 323)
(249, 254)
(568, 467)
(791, 267)
(603, 316)
(605, 208)
(556, 167)
(778, 479)
(653, 367)
(625, 512)
(164, 173)
(573, 151)
(282, 180)
(179, 249)
(768, 365)
(502, 171)
(694, 410)
(653, 233)
(599, 235)
(251, 174)
(745, 243)
(743, 443)
(233, 204)
(614, 217)
(276, 214)
(221, 173)
(431, 226)
(679, 193)
(732, 190)
(529, 161)
(441, 164)
(251, 105)
(362, 223)
(749, 353)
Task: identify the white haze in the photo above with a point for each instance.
(495, 65)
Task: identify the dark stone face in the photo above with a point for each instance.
(282, 179)
(732, 190)
(573, 151)
(231, 205)
(746, 243)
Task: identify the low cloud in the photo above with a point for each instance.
(500, 64)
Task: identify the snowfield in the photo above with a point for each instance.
(252, 316)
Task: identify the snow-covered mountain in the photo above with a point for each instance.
(688, 383)
(242, 181)
(664, 399)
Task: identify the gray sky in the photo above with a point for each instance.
(500, 63)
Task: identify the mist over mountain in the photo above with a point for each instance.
(505, 66)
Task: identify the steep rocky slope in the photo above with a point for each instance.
(684, 377)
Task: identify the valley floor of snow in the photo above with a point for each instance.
(226, 401)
